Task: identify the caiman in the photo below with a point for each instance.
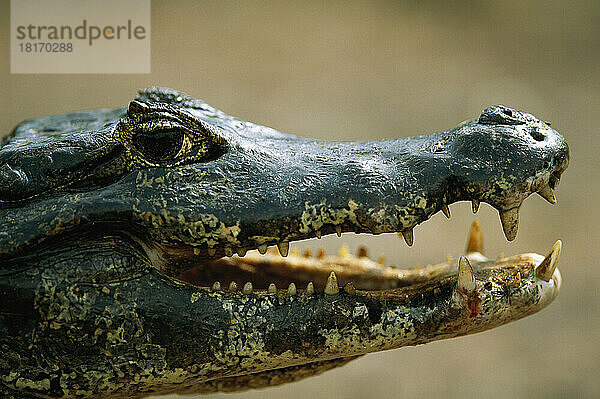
(124, 232)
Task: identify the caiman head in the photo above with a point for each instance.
(124, 232)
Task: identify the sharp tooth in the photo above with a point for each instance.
(247, 288)
(228, 251)
(362, 252)
(408, 237)
(475, 240)
(475, 205)
(295, 252)
(545, 270)
(272, 289)
(349, 288)
(338, 231)
(283, 248)
(321, 253)
(212, 251)
(381, 260)
(232, 286)
(307, 253)
(310, 288)
(318, 234)
(292, 289)
(547, 194)
(331, 287)
(466, 278)
(216, 286)
(263, 249)
(196, 251)
(343, 251)
(510, 222)
(242, 252)
(446, 210)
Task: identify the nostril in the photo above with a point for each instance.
(537, 135)
(500, 115)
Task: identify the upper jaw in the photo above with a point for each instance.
(268, 212)
(282, 188)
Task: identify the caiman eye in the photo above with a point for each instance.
(159, 145)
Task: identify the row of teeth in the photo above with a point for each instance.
(331, 287)
(509, 219)
(465, 282)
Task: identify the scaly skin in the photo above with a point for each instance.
(114, 224)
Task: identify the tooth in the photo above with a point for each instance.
(232, 286)
(272, 289)
(446, 210)
(307, 253)
(331, 287)
(349, 288)
(408, 237)
(338, 231)
(242, 252)
(362, 252)
(475, 240)
(310, 288)
(318, 234)
(263, 249)
(212, 251)
(545, 270)
(283, 248)
(381, 260)
(228, 251)
(292, 289)
(295, 252)
(466, 278)
(343, 251)
(196, 251)
(321, 253)
(547, 194)
(216, 286)
(247, 288)
(510, 222)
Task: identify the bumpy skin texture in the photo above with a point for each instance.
(99, 210)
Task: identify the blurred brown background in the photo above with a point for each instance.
(363, 70)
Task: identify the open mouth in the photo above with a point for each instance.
(277, 269)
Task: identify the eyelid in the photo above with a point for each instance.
(155, 126)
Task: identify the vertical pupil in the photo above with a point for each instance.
(161, 145)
